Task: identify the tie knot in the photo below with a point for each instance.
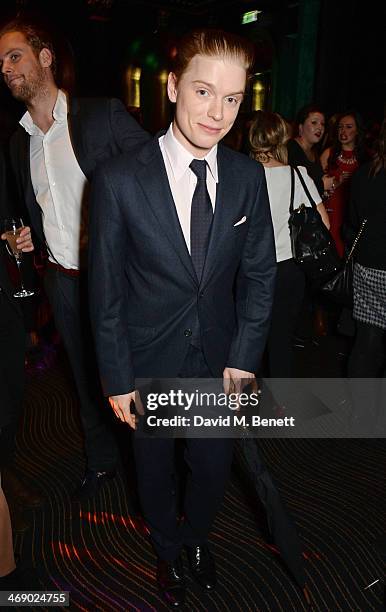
(198, 166)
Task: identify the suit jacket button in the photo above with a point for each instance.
(187, 333)
(201, 294)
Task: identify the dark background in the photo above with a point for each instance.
(344, 50)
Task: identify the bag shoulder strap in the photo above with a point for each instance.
(291, 208)
(301, 179)
(354, 244)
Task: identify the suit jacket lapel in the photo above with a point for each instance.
(227, 192)
(26, 183)
(154, 182)
(76, 136)
(25, 165)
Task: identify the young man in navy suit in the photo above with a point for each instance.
(54, 151)
(182, 268)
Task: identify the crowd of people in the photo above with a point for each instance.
(334, 173)
(172, 257)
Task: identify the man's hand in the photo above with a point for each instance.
(121, 406)
(235, 380)
(24, 241)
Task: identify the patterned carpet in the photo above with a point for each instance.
(335, 490)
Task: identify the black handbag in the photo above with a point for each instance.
(340, 287)
(313, 247)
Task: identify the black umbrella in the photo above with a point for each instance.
(280, 523)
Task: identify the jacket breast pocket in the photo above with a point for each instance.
(140, 336)
(243, 227)
(239, 232)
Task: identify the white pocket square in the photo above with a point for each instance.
(243, 220)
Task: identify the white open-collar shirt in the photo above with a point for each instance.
(59, 185)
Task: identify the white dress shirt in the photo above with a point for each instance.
(59, 185)
(182, 179)
(279, 192)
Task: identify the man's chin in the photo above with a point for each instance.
(208, 141)
(19, 94)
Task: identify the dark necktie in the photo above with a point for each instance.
(200, 217)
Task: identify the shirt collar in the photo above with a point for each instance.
(59, 113)
(180, 158)
(60, 109)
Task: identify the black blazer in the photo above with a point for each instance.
(11, 321)
(6, 286)
(368, 201)
(100, 128)
(144, 294)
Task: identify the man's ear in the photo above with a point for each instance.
(45, 58)
(172, 87)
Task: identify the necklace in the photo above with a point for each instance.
(347, 160)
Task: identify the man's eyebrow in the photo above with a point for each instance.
(12, 51)
(236, 93)
(199, 82)
(211, 86)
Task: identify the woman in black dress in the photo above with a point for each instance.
(303, 151)
(303, 146)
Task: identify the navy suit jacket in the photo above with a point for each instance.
(144, 294)
(100, 128)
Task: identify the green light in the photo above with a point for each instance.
(250, 16)
(151, 61)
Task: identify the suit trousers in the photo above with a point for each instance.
(12, 351)
(208, 463)
(68, 299)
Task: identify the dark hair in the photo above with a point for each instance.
(379, 160)
(359, 148)
(302, 115)
(212, 42)
(36, 36)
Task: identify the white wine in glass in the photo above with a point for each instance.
(12, 229)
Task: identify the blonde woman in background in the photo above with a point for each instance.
(268, 136)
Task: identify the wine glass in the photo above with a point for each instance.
(12, 229)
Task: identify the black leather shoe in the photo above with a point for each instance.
(202, 566)
(171, 582)
(91, 484)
